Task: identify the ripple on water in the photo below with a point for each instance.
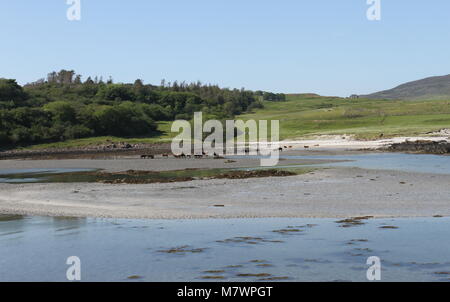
(189, 250)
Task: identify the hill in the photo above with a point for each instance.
(433, 88)
(302, 116)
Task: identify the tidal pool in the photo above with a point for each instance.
(36, 249)
(35, 175)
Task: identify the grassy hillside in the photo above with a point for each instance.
(307, 115)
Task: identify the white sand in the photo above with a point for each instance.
(346, 142)
(341, 192)
(132, 163)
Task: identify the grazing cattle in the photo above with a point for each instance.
(165, 155)
(280, 149)
(285, 147)
(247, 151)
(306, 147)
(290, 147)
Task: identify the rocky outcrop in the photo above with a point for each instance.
(431, 147)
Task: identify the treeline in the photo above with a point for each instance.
(62, 106)
(270, 96)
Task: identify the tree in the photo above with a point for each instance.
(64, 107)
(62, 112)
(89, 81)
(11, 93)
(77, 80)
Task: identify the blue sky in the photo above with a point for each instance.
(322, 46)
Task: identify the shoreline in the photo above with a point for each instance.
(328, 193)
(380, 217)
(324, 193)
(321, 143)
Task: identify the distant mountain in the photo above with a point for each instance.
(435, 88)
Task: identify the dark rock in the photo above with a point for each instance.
(432, 147)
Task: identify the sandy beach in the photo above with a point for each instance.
(342, 192)
(159, 164)
(331, 192)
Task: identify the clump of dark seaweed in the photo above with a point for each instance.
(254, 275)
(214, 271)
(212, 277)
(355, 221)
(248, 240)
(274, 278)
(356, 241)
(388, 227)
(288, 230)
(234, 266)
(264, 265)
(134, 277)
(183, 250)
(149, 177)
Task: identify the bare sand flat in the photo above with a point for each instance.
(348, 142)
(341, 192)
(120, 164)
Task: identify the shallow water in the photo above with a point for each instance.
(422, 163)
(34, 175)
(36, 249)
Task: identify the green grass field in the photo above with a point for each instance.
(305, 116)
